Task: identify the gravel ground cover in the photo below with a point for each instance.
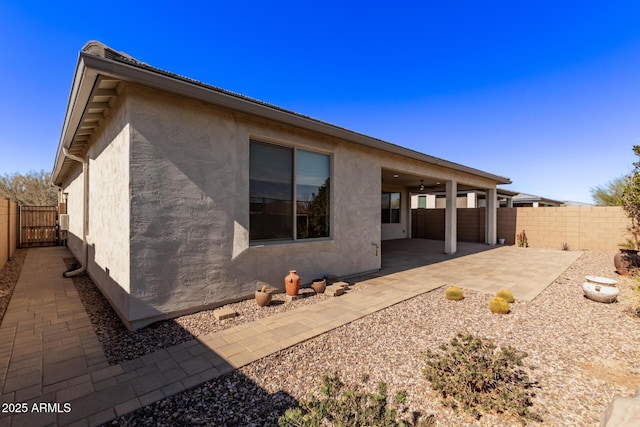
(9, 277)
(583, 354)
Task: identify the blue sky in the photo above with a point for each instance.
(546, 93)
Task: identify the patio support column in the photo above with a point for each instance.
(451, 218)
(491, 217)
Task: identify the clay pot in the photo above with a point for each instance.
(319, 285)
(292, 283)
(263, 298)
(625, 260)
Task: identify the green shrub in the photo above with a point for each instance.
(471, 376)
(499, 306)
(506, 295)
(453, 293)
(351, 406)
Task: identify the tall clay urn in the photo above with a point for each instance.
(292, 283)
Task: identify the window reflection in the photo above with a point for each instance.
(272, 181)
(312, 194)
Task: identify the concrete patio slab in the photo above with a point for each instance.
(524, 271)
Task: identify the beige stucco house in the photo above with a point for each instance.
(181, 195)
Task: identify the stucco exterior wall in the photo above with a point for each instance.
(190, 208)
(75, 210)
(109, 208)
(108, 232)
(398, 230)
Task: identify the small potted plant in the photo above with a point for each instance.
(263, 296)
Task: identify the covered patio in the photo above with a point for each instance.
(438, 180)
(487, 268)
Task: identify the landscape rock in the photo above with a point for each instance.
(224, 313)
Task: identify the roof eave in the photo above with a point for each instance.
(81, 87)
(91, 66)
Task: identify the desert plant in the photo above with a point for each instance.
(609, 194)
(632, 299)
(506, 295)
(350, 406)
(521, 239)
(471, 375)
(630, 200)
(453, 293)
(565, 246)
(628, 244)
(499, 306)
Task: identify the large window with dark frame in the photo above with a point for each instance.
(279, 175)
(390, 208)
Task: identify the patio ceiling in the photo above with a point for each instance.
(412, 182)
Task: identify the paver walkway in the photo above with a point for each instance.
(52, 367)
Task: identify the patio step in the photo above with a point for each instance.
(336, 289)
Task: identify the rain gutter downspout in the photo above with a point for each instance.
(85, 212)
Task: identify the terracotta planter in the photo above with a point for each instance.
(263, 298)
(319, 285)
(625, 260)
(292, 283)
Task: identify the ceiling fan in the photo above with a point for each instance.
(423, 187)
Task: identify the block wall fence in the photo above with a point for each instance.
(8, 230)
(596, 228)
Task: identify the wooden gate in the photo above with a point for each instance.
(38, 226)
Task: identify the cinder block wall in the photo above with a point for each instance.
(598, 228)
(8, 230)
(602, 228)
